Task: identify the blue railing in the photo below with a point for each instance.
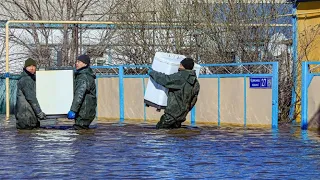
(306, 79)
(264, 69)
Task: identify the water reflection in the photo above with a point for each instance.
(118, 151)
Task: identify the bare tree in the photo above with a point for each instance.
(46, 37)
(209, 31)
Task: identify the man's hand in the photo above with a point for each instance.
(71, 115)
(42, 116)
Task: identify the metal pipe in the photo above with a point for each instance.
(219, 106)
(245, 101)
(275, 95)
(304, 96)
(305, 13)
(121, 93)
(7, 72)
(295, 62)
(137, 23)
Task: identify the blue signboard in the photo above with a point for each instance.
(261, 82)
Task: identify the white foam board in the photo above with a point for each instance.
(54, 90)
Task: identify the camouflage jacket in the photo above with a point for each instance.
(183, 89)
(27, 105)
(85, 101)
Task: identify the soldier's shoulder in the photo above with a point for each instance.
(25, 79)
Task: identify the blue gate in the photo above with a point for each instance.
(307, 73)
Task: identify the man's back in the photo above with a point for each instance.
(183, 89)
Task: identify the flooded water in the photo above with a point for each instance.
(136, 151)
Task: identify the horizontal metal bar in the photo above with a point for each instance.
(200, 76)
(124, 76)
(136, 66)
(202, 65)
(104, 67)
(136, 76)
(117, 66)
(59, 26)
(114, 23)
(313, 62)
(237, 64)
(107, 76)
(233, 75)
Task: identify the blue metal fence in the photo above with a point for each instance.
(218, 71)
(232, 70)
(306, 78)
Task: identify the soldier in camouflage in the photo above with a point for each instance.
(83, 108)
(183, 89)
(27, 109)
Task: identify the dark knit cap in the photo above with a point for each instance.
(30, 62)
(84, 58)
(187, 63)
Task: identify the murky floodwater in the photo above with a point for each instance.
(114, 151)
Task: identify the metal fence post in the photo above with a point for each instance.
(193, 116)
(304, 96)
(121, 93)
(275, 94)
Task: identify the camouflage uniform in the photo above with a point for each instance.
(183, 89)
(84, 102)
(27, 106)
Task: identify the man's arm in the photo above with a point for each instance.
(195, 93)
(172, 81)
(79, 93)
(29, 91)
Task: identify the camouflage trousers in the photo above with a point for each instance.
(81, 123)
(168, 122)
(22, 125)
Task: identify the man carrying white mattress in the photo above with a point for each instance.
(27, 110)
(183, 89)
(83, 108)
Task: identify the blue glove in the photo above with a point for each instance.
(71, 115)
